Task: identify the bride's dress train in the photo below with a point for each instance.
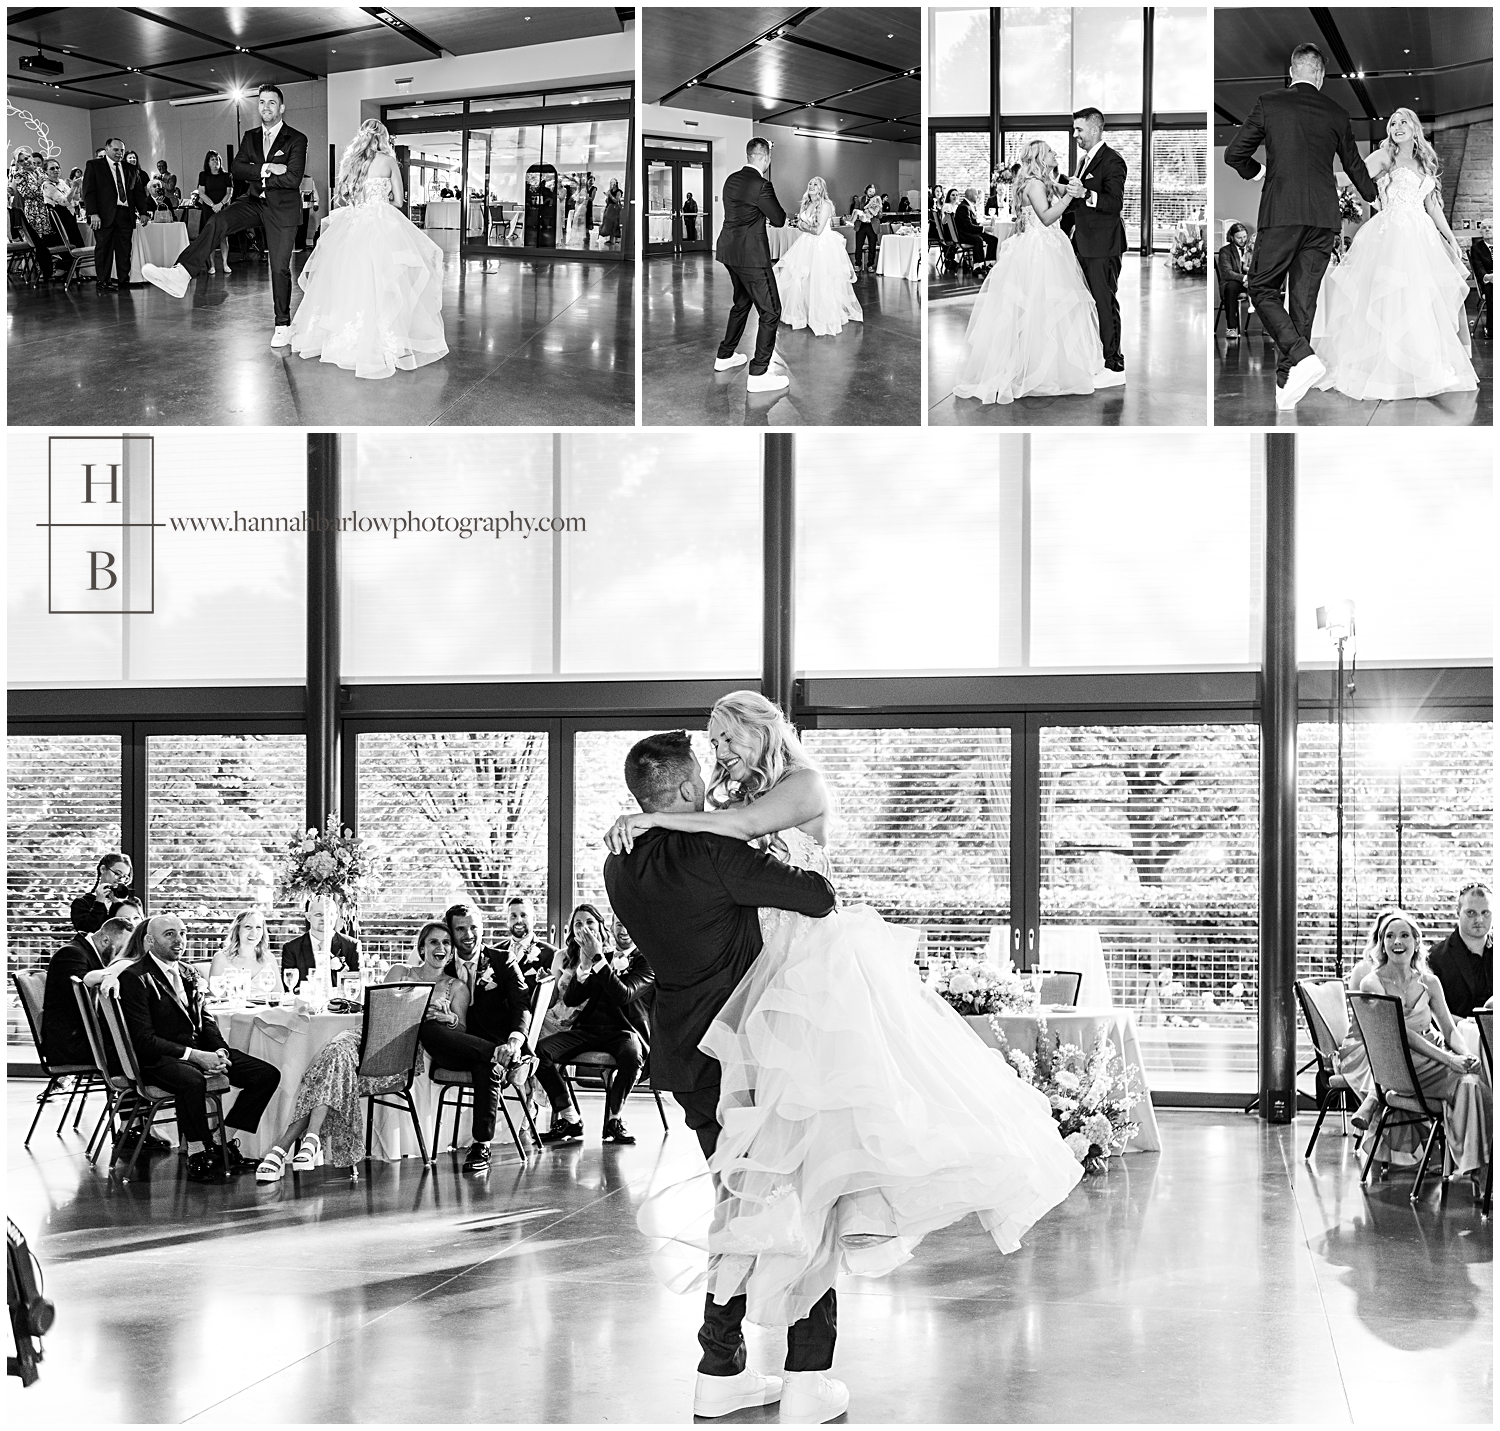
(1390, 318)
(372, 291)
(859, 1113)
(816, 283)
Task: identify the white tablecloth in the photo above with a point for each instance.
(780, 240)
(441, 214)
(156, 243)
(1083, 1026)
(1000, 229)
(901, 256)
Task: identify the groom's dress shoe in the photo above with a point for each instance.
(282, 336)
(1302, 376)
(719, 1395)
(172, 280)
(1110, 378)
(767, 382)
(734, 360)
(812, 1397)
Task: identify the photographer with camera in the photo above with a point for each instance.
(112, 879)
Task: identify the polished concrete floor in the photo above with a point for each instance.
(544, 343)
(1221, 1280)
(870, 374)
(1245, 393)
(1164, 326)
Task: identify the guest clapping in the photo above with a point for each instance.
(1465, 961)
(247, 950)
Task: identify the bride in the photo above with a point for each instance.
(1034, 331)
(859, 1111)
(373, 288)
(1390, 318)
(814, 276)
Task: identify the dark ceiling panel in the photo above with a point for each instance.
(367, 50)
(909, 133)
(1380, 39)
(678, 44)
(252, 25)
(74, 68)
(893, 37)
(471, 29)
(1259, 41)
(786, 69)
(111, 35)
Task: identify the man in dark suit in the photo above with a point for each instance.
(115, 203)
(179, 1045)
(866, 216)
(64, 1039)
(750, 203)
(267, 173)
(1098, 233)
(1482, 262)
(970, 231)
(690, 902)
(1465, 961)
(301, 953)
(1229, 265)
(1302, 130)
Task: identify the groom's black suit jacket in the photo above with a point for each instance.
(750, 203)
(1302, 130)
(689, 902)
(280, 194)
(1097, 230)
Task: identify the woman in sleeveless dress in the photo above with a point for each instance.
(372, 292)
(814, 276)
(1390, 319)
(859, 1111)
(1034, 331)
(247, 950)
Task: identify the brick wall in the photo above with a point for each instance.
(1472, 195)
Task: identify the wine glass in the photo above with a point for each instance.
(1034, 983)
(289, 981)
(216, 987)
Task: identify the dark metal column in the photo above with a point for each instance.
(997, 152)
(779, 516)
(324, 453)
(1278, 788)
(1148, 65)
(135, 810)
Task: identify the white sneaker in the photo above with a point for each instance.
(1302, 376)
(281, 337)
(1109, 378)
(811, 1397)
(172, 280)
(734, 360)
(767, 382)
(719, 1395)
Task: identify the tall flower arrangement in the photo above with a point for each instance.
(973, 986)
(332, 864)
(1189, 254)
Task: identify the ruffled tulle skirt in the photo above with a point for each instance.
(1034, 331)
(816, 283)
(859, 1113)
(372, 294)
(1390, 319)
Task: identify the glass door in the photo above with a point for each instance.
(679, 202)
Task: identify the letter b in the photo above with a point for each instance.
(99, 568)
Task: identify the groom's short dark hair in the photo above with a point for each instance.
(1090, 113)
(657, 765)
(757, 146)
(273, 90)
(1308, 57)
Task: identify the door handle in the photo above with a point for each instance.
(1030, 943)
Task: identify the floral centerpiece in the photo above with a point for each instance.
(1091, 1094)
(335, 866)
(973, 986)
(1351, 207)
(1190, 254)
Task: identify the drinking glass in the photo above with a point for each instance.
(216, 987)
(289, 980)
(1034, 983)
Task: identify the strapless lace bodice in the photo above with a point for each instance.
(375, 190)
(1404, 188)
(801, 852)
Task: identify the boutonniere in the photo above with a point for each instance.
(487, 980)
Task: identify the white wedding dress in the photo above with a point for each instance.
(816, 282)
(1390, 319)
(372, 292)
(1034, 331)
(856, 1103)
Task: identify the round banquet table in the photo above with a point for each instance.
(441, 214)
(156, 243)
(1082, 1026)
(999, 229)
(901, 256)
(780, 240)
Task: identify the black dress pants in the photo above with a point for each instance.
(1103, 278)
(753, 288)
(1231, 290)
(809, 1343)
(1296, 254)
(453, 1048)
(865, 237)
(235, 218)
(112, 243)
(620, 1044)
(256, 1079)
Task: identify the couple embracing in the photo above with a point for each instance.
(845, 1110)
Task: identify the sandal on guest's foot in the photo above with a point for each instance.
(307, 1153)
(272, 1167)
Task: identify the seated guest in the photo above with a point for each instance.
(247, 950)
(1231, 269)
(1482, 263)
(59, 198)
(112, 876)
(130, 909)
(64, 1039)
(179, 1045)
(1354, 1063)
(35, 214)
(476, 1021)
(904, 207)
(970, 232)
(433, 950)
(301, 953)
(534, 956)
(1465, 961)
(168, 196)
(611, 1020)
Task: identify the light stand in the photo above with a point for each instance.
(1338, 621)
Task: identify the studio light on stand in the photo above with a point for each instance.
(1337, 622)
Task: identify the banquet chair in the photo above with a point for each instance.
(605, 1066)
(388, 1054)
(72, 1078)
(119, 1096)
(146, 1109)
(963, 255)
(461, 1084)
(1402, 1102)
(1060, 988)
(20, 257)
(1485, 1018)
(1331, 1084)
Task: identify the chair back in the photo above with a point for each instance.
(393, 1019)
(1383, 1029)
(31, 985)
(1061, 988)
(114, 1021)
(89, 1012)
(1485, 1018)
(541, 1001)
(1325, 1045)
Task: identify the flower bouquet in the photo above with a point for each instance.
(1091, 1094)
(973, 986)
(337, 865)
(1190, 254)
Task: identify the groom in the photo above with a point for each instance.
(689, 902)
(750, 203)
(1302, 130)
(1098, 232)
(268, 171)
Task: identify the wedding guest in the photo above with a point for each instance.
(64, 1039)
(620, 935)
(1465, 961)
(1230, 267)
(59, 197)
(169, 196)
(75, 191)
(690, 219)
(609, 225)
(301, 953)
(129, 909)
(307, 236)
(247, 950)
(36, 216)
(1482, 264)
(970, 232)
(179, 1045)
(112, 877)
(1354, 1062)
(534, 956)
(433, 950)
(214, 191)
(113, 200)
(611, 1020)
(866, 215)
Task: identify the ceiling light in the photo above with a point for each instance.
(829, 134)
(890, 37)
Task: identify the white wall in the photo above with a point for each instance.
(727, 136)
(67, 127)
(846, 168)
(1238, 199)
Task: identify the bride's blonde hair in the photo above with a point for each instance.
(372, 139)
(749, 717)
(1423, 152)
(1037, 161)
(817, 192)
